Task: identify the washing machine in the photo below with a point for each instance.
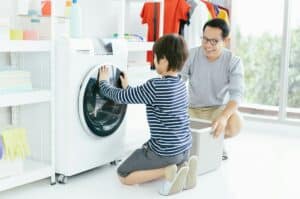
(90, 128)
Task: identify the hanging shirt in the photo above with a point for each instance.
(183, 23)
(193, 4)
(210, 8)
(225, 9)
(216, 8)
(174, 11)
(223, 15)
(193, 32)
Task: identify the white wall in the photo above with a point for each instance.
(4, 116)
(101, 17)
(5, 10)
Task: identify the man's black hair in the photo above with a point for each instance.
(218, 23)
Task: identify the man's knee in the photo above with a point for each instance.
(234, 125)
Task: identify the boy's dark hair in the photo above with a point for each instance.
(218, 23)
(173, 48)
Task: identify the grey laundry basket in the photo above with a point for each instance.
(208, 149)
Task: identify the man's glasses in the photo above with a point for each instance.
(213, 42)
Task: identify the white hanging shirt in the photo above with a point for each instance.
(193, 32)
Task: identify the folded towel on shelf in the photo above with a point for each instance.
(15, 143)
(16, 89)
(13, 80)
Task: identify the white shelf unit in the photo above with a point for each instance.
(33, 171)
(25, 46)
(23, 98)
(32, 110)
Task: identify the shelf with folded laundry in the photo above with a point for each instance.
(14, 80)
(18, 162)
(25, 46)
(26, 145)
(24, 98)
(32, 171)
(16, 88)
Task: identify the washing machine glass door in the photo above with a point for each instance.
(99, 115)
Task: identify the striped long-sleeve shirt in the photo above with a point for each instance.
(166, 106)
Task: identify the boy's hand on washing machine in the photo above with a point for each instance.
(103, 73)
(124, 80)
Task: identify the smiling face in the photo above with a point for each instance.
(213, 42)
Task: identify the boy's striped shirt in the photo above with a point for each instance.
(166, 105)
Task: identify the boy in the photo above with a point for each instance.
(166, 106)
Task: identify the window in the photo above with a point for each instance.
(294, 63)
(257, 37)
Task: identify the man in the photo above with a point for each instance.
(215, 81)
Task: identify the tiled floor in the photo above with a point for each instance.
(261, 165)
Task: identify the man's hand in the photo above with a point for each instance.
(124, 80)
(219, 125)
(103, 73)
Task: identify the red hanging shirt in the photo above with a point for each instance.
(174, 11)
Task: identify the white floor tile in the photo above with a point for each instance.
(259, 166)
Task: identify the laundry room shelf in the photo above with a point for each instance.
(31, 109)
(25, 46)
(139, 46)
(33, 171)
(22, 98)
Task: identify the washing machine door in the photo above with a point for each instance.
(99, 115)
